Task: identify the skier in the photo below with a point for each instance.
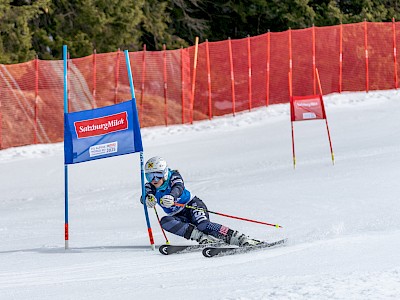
(166, 187)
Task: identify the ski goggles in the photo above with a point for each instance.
(156, 176)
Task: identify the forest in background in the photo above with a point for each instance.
(39, 28)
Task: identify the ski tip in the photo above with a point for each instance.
(207, 252)
(163, 249)
(221, 251)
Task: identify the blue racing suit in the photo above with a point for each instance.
(172, 186)
(180, 220)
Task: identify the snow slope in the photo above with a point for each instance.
(342, 221)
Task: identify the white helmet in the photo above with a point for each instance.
(156, 164)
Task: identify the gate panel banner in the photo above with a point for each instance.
(101, 133)
(307, 108)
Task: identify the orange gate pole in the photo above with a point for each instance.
(291, 116)
(326, 119)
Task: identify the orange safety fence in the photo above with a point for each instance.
(231, 76)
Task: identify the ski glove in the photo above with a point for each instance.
(167, 201)
(151, 201)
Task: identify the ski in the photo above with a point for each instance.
(172, 249)
(211, 251)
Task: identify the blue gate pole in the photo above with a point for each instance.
(150, 232)
(65, 54)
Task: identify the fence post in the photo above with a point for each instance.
(182, 87)
(196, 51)
(68, 62)
(35, 141)
(249, 75)
(1, 127)
(94, 79)
(340, 57)
(366, 55)
(268, 65)
(142, 86)
(232, 76)
(210, 114)
(165, 84)
(116, 77)
(290, 57)
(394, 53)
(313, 60)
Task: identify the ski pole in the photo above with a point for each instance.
(162, 229)
(228, 216)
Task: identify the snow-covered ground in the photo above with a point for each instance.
(342, 221)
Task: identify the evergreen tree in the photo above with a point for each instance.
(30, 27)
(85, 25)
(189, 19)
(16, 34)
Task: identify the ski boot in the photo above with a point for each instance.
(242, 240)
(201, 237)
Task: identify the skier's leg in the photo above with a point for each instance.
(200, 218)
(196, 225)
(226, 234)
(175, 224)
(179, 225)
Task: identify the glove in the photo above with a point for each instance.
(167, 201)
(151, 201)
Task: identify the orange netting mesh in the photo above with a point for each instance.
(231, 76)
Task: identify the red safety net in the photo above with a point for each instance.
(230, 76)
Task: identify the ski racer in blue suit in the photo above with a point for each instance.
(166, 188)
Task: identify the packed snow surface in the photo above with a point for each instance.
(342, 221)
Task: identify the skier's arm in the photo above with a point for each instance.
(150, 190)
(177, 185)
